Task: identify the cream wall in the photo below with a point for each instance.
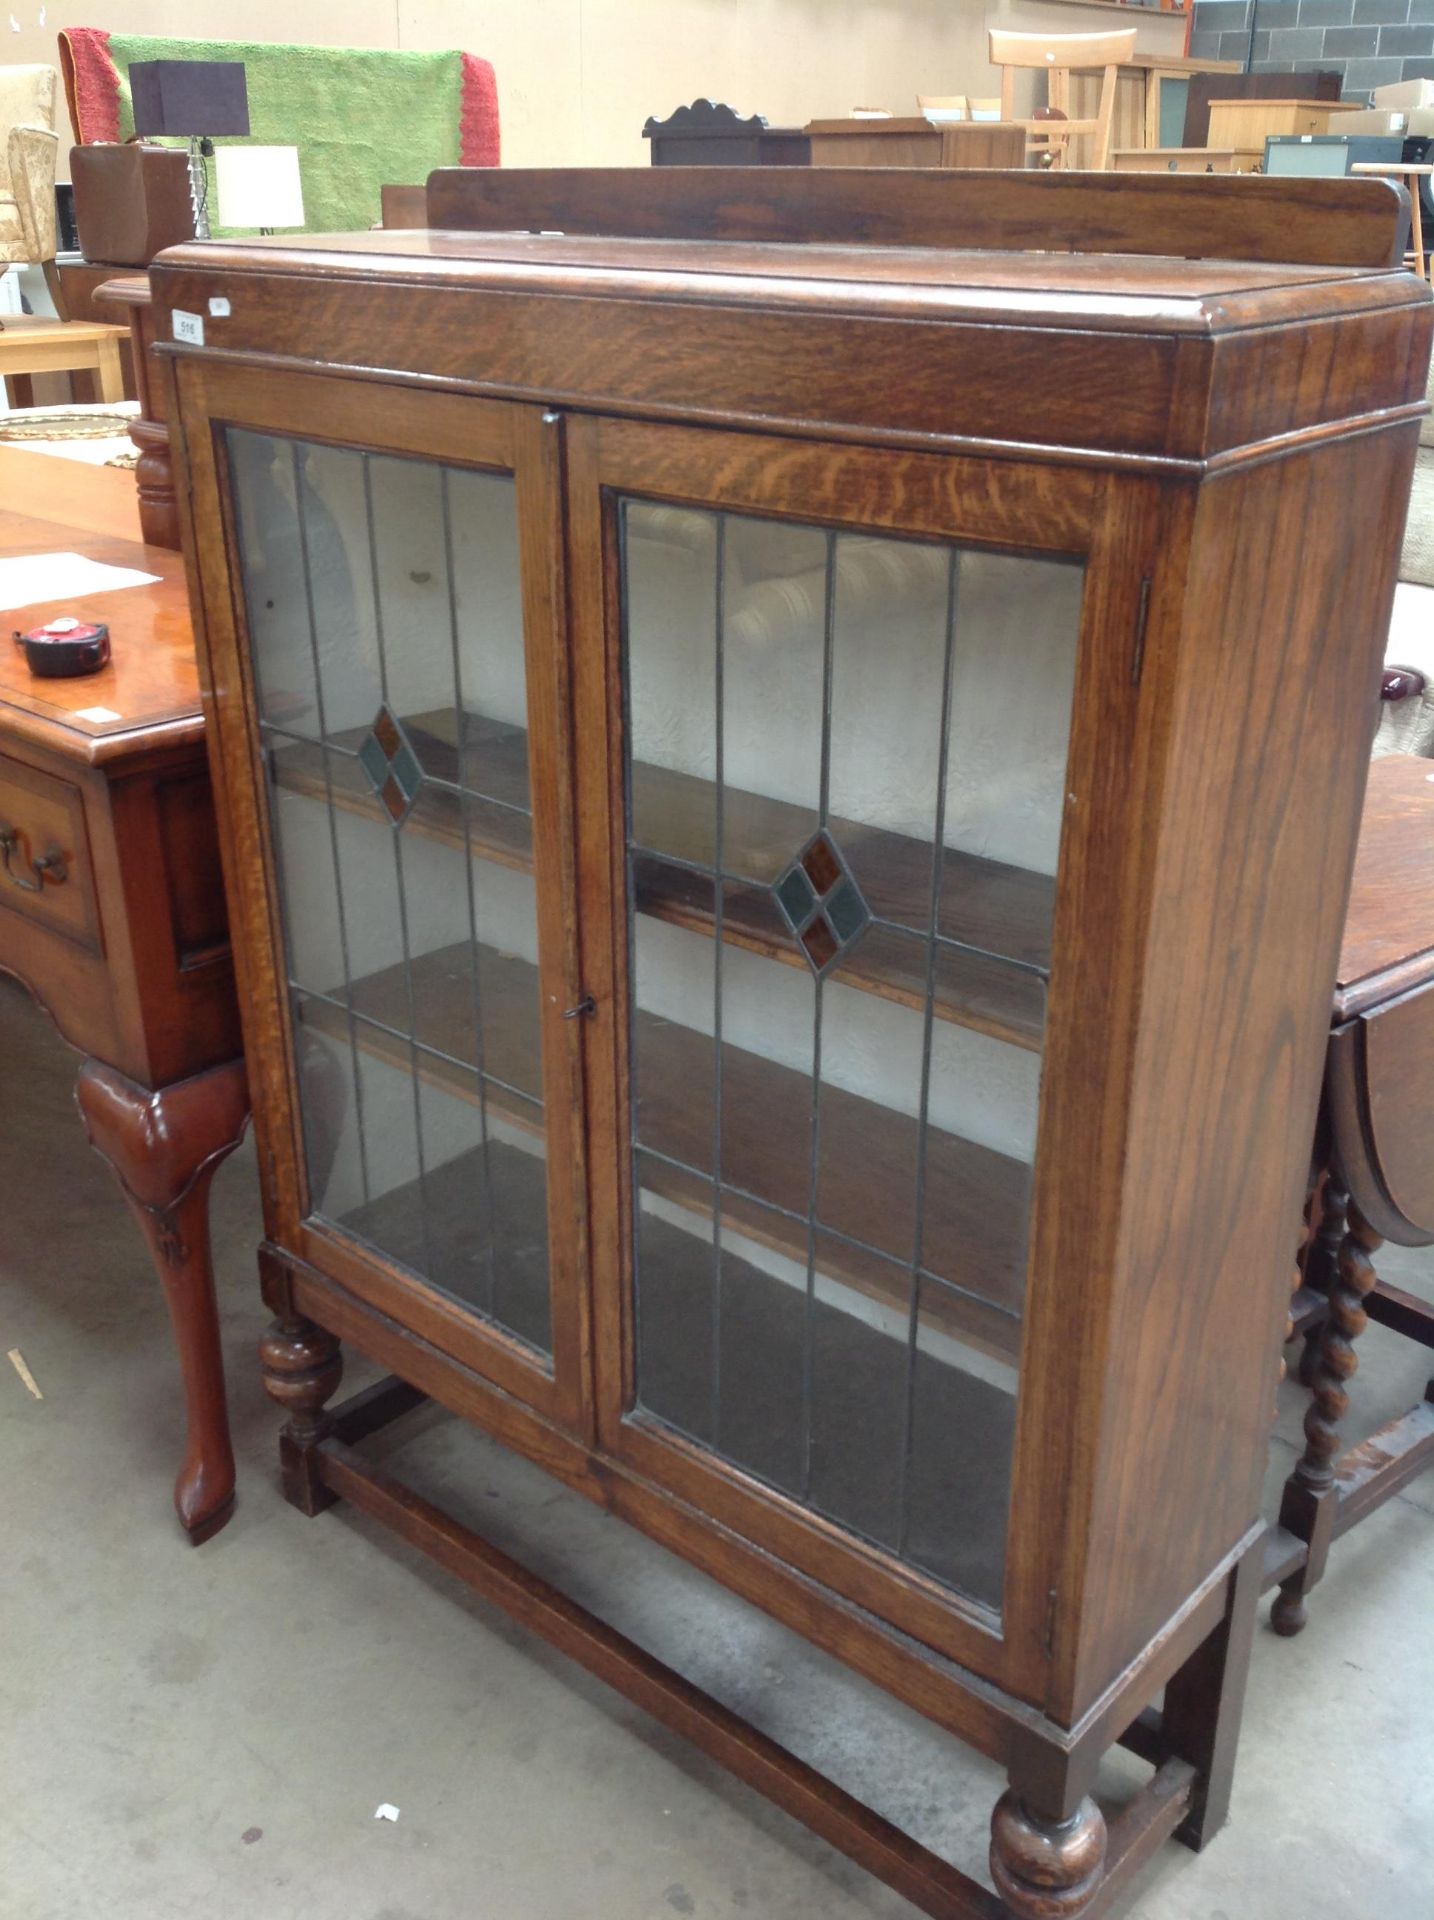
(577, 78)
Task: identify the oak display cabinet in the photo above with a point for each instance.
(787, 809)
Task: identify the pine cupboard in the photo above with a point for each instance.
(787, 806)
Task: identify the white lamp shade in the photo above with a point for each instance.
(259, 186)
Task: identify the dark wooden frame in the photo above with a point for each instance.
(1185, 453)
(1103, 522)
(492, 438)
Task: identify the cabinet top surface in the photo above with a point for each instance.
(905, 305)
(1111, 291)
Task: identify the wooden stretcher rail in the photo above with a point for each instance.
(931, 1884)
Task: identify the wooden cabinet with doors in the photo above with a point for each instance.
(787, 811)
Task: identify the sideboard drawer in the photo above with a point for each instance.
(44, 846)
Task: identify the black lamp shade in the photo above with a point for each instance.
(187, 97)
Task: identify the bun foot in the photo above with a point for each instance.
(1046, 1869)
(1289, 1613)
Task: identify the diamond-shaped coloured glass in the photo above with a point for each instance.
(820, 942)
(821, 902)
(846, 910)
(406, 770)
(823, 868)
(393, 768)
(796, 897)
(387, 732)
(375, 761)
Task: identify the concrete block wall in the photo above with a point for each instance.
(1371, 42)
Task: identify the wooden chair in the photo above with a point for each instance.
(961, 106)
(1061, 55)
(945, 105)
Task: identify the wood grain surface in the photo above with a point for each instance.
(1388, 944)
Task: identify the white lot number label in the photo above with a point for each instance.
(189, 327)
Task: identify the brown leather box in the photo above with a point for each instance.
(130, 201)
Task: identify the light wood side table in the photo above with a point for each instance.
(64, 346)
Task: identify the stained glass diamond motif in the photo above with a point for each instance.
(797, 897)
(821, 903)
(391, 765)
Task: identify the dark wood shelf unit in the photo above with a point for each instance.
(876, 354)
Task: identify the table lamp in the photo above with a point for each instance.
(193, 100)
(259, 187)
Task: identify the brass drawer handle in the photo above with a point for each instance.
(49, 866)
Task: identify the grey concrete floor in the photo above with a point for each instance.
(209, 1731)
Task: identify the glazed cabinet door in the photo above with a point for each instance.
(839, 691)
(381, 577)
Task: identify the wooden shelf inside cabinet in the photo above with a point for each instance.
(993, 946)
(975, 1204)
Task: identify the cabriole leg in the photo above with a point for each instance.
(302, 1368)
(1046, 1869)
(164, 1147)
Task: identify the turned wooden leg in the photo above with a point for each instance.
(164, 1148)
(154, 480)
(1311, 1498)
(1046, 1869)
(1322, 1264)
(302, 1369)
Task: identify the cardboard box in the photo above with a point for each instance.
(1404, 94)
(1377, 120)
(1405, 121)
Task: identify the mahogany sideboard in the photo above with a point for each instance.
(787, 809)
(112, 915)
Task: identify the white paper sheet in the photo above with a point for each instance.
(31, 579)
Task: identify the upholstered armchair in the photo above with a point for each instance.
(28, 151)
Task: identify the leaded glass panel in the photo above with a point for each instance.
(385, 620)
(845, 771)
